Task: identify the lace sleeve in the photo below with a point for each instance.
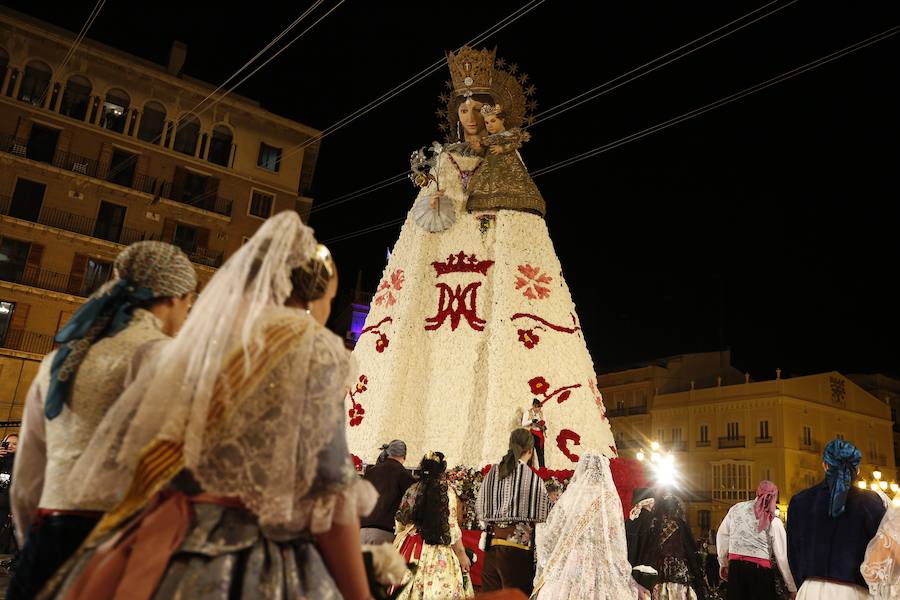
(879, 568)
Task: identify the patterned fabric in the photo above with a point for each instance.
(521, 496)
(765, 504)
(438, 575)
(502, 181)
(144, 271)
(881, 567)
(100, 380)
(842, 459)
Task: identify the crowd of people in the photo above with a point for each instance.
(184, 446)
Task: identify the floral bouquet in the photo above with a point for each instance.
(466, 482)
(385, 570)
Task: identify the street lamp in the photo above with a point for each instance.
(883, 485)
(895, 488)
(876, 475)
(640, 455)
(861, 484)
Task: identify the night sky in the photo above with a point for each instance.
(768, 226)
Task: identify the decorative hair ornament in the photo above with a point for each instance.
(491, 109)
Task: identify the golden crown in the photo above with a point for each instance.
(433, 456)
(491, 109)
(471, 71)
(480, 72)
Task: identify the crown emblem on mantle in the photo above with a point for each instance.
(461, 263)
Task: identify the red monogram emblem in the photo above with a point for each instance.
(456, 305)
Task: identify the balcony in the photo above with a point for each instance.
(205, 256)
(69, 161)
(763, 440)
(60, 219)
(616, 412)
(703, 443)
(734, 442)
(27, 341)
(809, 445)
(637, 410)
(39, 278)
(679, 446)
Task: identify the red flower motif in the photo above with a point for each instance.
(356, 414)
(357, 463)
(529, 338)
(539, 386)
(562, 442)
(486, 469)
(392, 283)
(381, 343)
(532, 280)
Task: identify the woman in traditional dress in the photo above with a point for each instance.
(581, 549)
(473, 306)
(881, 568)
(669, 547)
(243, 487)
(428, 535)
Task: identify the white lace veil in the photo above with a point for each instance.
(581, 549)
(171, 395)
(881, 567)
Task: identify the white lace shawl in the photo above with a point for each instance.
(581, 550)
(881, 567)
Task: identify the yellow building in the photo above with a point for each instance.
(104, 149)
(727, 432)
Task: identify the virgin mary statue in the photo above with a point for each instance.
(473, 320)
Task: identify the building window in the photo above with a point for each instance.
(807, 436)
(35, 83)
(220, 145)
(28, 197)
(261, 205)
(110, 220)
(153, 121)
(732, 481)
(703, 520)
(122, 167)
(269, 157)
(676, 434)
(704, 433)
(114, 114)
(763, 430)
(733, 431)
(42, 143)
(16, 254)
(662, 435)
(96, 274)
(4, 64)
(6, 313)
(76, 98)
(185, 237)
(187, 133)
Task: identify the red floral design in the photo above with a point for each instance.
(383, 341)
(390, 284)
(357, 463)
(539, 386)
(357, 412)
(529, 338)
(562, 442)
(598, 399)
(532, 281)
(457, 305)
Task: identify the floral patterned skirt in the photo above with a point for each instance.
(437, 577)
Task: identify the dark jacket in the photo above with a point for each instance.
(827, 547)
(391, 480)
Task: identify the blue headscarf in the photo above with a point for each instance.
(843, 460)
(146, 270)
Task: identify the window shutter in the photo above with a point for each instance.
(178, 183)
(19, 316)
(106, 153)
(76, 275)
(35, 254)
(168, 234)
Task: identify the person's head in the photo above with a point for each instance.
(668, 505)
(432, 466)
(314, 285)
(521, 447)
(841, 462)
(468, 114)
(167, 274)
(11, 440)
(536, 404)
(766, 503)
(395, 450)
(494, 118)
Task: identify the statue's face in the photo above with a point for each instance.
(469, 116)
(493, 124)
